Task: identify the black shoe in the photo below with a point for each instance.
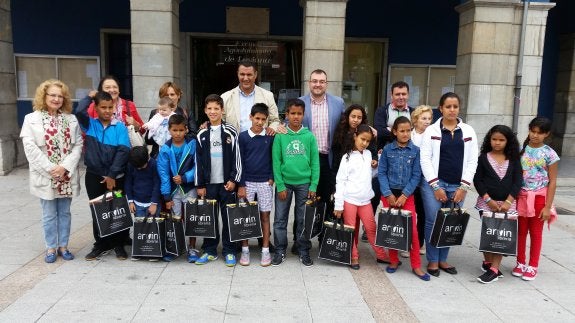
(364, 237)
(295, 249)
(95, 254)
(272, 248)
(278, 258)
(485, 266)
(488, 277)
(120, 253)
(433, 272)
(450, 270)
(306, 260)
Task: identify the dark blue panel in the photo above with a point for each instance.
(548, 87)
(65, 27)
(24, 107)
(286, 17)
(419, 31)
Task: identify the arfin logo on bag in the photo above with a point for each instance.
(453, 228)
(114, 214)
(201, 219)
(247, 221)
(148, 237)
(502, 234)
(396, 230)
(339, 245)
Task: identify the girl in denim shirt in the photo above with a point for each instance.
(399, 174)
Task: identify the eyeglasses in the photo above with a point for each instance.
(322, 82)
(55, 96)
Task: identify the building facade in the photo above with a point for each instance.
(478, 48)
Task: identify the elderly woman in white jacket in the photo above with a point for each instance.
(53, 146)
(449, 154)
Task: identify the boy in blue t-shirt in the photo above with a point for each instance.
(257, 176)
(219, 169)
(177, 168)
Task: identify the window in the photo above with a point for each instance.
(81, 74)
(427, 83)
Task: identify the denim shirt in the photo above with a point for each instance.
(399, 168)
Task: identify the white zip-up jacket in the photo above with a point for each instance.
(430, 151)
(353, 180)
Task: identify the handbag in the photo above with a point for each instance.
(174, 236)
(337, 242)
(449, 227)
(200, 218)
(314, 217)
(498, 234)
(148, 238)
(111, 213)
(244, 221)
(394, 229)
(136, 138)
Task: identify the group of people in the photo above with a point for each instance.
(321, 151)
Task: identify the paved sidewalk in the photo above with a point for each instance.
(112, 290)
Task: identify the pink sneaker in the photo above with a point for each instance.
(266, 259)
(519, 270)
(245, 259)
(530, 273)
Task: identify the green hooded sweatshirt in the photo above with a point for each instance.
(295, 159)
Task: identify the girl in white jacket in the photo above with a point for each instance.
(353, 192)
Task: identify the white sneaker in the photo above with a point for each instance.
(266, 259)
(404, 254)
(245, 258)
(422, 250)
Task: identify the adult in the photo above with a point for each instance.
(238, 101)
(124, 110)
(322, 115)
(449, 154)
(53, 145)
(174, 92)
(386, 115)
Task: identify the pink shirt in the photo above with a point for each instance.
(320, 124)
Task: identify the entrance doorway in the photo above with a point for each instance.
(214, 68)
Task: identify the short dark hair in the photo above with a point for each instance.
(138, 156)
(295, 103)
(105, 78)
(400, 120)
(102, 96)
(177, 119)
(449, 95)
(399, 85)
(214, 98)
(260, 108)
(318, 71)
(248, 63)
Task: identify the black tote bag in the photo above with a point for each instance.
(174, 236)
(337, 242)
(244, 221)
(148, 241)
(314, 217)
(498, 234)
(111, 213)
(394, 229)
(449, 227)
(201, 218)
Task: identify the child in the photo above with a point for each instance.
(421, 118)
(296, 170)
(399, 173)
(142, 184)
(257, 176)
(497, 181)
(106, 157)
(353, 192)
(158, 126)
(177, 167)
(219, 169)
(535, 200)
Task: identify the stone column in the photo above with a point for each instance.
(487, 55)
(564, 110)
(155, 49)
(324, 41)
(11, 153)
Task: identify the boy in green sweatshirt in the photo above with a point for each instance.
(296, 171)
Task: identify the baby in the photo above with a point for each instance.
(158, 126)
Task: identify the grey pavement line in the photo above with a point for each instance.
(382, 298)
(26, 277)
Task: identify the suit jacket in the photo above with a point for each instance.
(335, 106)
(232, 106)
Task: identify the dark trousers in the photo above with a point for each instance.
(210, 245)
(420, 216)
(94, 189)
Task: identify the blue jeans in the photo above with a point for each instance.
(210, 245)
(282, 215)
(431, 206)
(142, 211)
(56, 219)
